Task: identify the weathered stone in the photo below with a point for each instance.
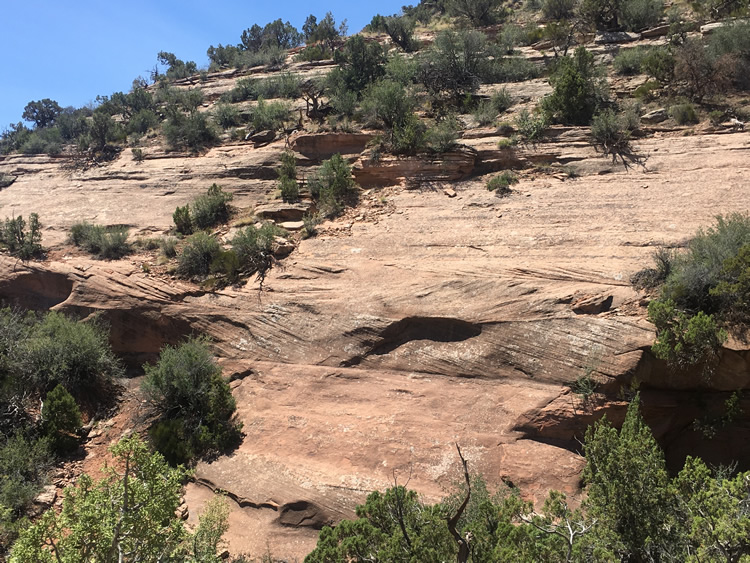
(280, 212)
(392, 170)
(654, 32)
(292, 225)
(610, 37)
(592, 305)
(450, 192)
(261, 137)
(655, 116)
(282, 247)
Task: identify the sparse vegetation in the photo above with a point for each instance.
(288, 177)
(108, 243)
(332, 185)
(198, 254)
(501, 184)
(206, 211)
(20, 241)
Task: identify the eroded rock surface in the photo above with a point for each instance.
(413, 322)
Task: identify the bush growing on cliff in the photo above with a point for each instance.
(109, 243)
(196, 404)
(212, 208)
(61, 420)
(332, 185)
(20, 242)
(197, 255)
(288, 177)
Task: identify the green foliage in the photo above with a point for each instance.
(226, 115)
(168, 247)
(578, 91)
(52, 349)
(42, 113)
(183, 222)
(442, 136)
(699, 269)
(43, 141)
(628, 489)
(61, 420)
(530, 127)
(14, 137)
(269, 115)
(20, 242)
(478, 12)
(636, 15)
(630, 61)
(332, 185)
(199, 252)
(24, 463)
(401, 31)
(109, 243)
(192, 131)
(454, 64)
(211, 208)
(558, 9)
(288, 177)
(659, 63)
(130, 511)
(176, 68)
(326, 31)
(733, 290)
(387, 103)
(683, 114)
(485, 113)
(501, 101)
(314, 53)
(683, 340)
(360, 62)
(253, 248)
(700, 73)
(501, 184)
(610, 135)
(187, 387)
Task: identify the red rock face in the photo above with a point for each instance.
(412, 322)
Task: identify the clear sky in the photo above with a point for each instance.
(71, 51)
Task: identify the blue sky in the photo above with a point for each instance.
(73, 51)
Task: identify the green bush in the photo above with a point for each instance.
(226, 115)
(683, 340)
(410, 137)
(578, 90)
(197, 255)
(43, 141)
(182, 221)
(253, 247)
(511, 69)
(312, 53)
(531, 128)
(501, 101)
(332, 185)
(558, 9)
(478, 12)
(485, 113)
(109, 243)
(24, 465)
(501, 184)
(636, 15)
(630, 61)
(168, 247)
(610, 135)
(401, 31)
(683, 114)
(56, 350)
(288, 177)
(732, 293)
(20, 242)
(442, 136)
(195, 402)
(284, 85)
(454, 65)
(699, 269)
(360, 63)
(269, 115)
(659, 63)
(191, 131)
(387, 103)
(61, 420)
(211, 208)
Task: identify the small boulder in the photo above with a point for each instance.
(659, 31)
(292, 225)
(449, 192)
(610, 37)
(656, 116)
(262, 137)
(281, 247)
(592, 305)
